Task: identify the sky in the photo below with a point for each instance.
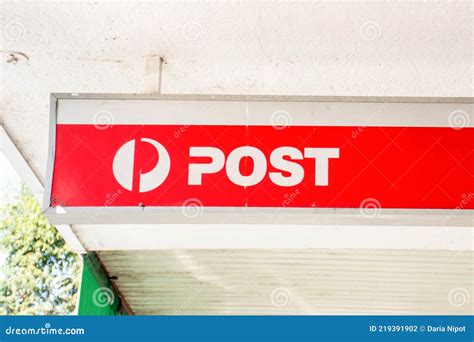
(10, 183)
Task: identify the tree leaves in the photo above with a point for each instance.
(40, 273)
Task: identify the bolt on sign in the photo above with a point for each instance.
(140, 153)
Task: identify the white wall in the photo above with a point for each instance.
(368, 48)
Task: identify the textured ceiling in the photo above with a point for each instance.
(303, 48)
(293, 281)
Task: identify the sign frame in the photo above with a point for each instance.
(248, 215)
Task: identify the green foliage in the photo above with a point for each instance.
(40, 275)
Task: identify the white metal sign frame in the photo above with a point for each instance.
(332, 111)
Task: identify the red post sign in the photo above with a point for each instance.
(257, 153)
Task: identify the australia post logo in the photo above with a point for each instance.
(123, 166)
(286, 171)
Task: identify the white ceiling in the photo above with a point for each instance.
(304, 48)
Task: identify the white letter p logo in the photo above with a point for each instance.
(123, 166)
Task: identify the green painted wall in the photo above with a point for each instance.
(96, 297)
